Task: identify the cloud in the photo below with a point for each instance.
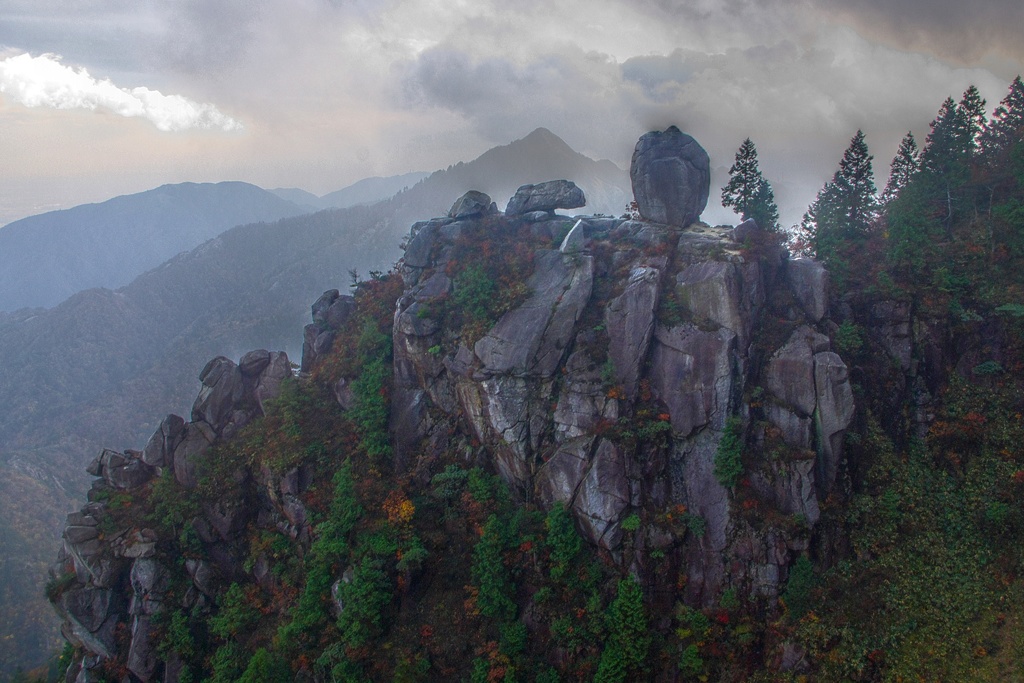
(44, 81)
(961, 31)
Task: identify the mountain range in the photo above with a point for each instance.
(45, 259)
(365, 191)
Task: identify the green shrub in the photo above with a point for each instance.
(563, 540)
(177, 637)
(475, 292)
(449, 482)
(226, 664)
(1014, 310)
(797, 595)
(486, 487)
(729, 457)
(491, 576)
(365, 598)
(612, 667)
(173, 506)
(629, 638)
(413, 555)
(695, 524)
(513, 638)
(58, 585)
(849, 338)
(266, 667)
(548, 675)
(235, 614)
(691, 664)
(480, 671)
(989, 368)
(370, 410)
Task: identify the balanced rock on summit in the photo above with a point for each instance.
(554, 194)
(671, 176)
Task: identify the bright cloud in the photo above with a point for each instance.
(44, 81)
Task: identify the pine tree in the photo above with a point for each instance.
(904, 166)
(940, 150)
(1006, 128)
(765, 212)
(856, 184)
(846, 207)
(629, 639)
(747, 190)
(951, 146)
(971, 117)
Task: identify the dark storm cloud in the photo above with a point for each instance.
(953, 29)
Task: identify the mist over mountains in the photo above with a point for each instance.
(365, 191)
(45, 259)
(101, 368)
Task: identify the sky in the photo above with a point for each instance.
(106, 97)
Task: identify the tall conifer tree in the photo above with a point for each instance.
(1006, 128)
(940, 150)
(747, 190)
(904, 165)
(971, 117)
(846, 207)
(951, 146)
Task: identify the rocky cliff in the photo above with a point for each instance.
(672, 385)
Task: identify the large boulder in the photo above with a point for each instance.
(583, 400)
(159, 451)
(890, 323)
(558, 480)
(554, 194)
(671, 176)
(472, 204)
(121, 470)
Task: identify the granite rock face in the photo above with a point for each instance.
(671, 175)
(674, 318)
(605, 381)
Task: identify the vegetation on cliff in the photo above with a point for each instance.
(886, 551)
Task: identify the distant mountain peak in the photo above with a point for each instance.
(543, 136)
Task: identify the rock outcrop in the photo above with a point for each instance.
(671, 175)
(618, 357)
(109, 586)
(674, 338)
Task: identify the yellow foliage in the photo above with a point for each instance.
(399, 509)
